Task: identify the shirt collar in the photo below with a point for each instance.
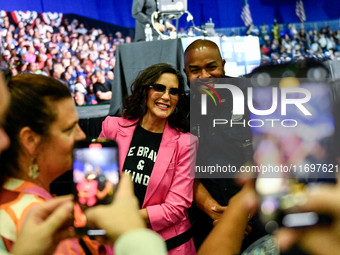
(26, 187)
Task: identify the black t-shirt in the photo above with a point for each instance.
(107, 86)
(141, 158)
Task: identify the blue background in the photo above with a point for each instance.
(225, 13)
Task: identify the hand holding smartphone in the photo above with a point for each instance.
(291, 157)
(95, 178)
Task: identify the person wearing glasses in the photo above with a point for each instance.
(155, 147)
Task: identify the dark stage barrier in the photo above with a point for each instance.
(91, 118)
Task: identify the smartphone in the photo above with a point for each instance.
(293, 148)
(95, 179)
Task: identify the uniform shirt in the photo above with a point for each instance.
(222, 145)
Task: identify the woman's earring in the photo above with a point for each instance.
(176, 110)
(33, 169)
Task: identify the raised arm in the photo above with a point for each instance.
(227, 236)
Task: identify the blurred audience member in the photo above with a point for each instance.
(79, 94)
(109, 76)
(102, 88)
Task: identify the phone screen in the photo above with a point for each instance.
(293, 145)
(95, 178)
(296, 139)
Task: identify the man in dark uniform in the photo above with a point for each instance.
(233, 144)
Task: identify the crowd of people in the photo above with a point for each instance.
(281, 44)
(157, 147)
(83, 59)
(73, 53)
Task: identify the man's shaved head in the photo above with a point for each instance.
(202, 59)
(199, 44)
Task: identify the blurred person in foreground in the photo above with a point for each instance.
(226, 237)
(317, 240)
(48, 223)
(43, 223)
(42, 124)
(121, 220)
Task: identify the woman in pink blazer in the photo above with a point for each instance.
(159, 153)
(87, 191)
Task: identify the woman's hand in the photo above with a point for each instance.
(45, 226)
(145, 216)
(120, 216)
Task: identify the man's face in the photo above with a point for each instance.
(203, 62)
(110, 75)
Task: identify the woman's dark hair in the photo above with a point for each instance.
(134, 105)
(32, 99)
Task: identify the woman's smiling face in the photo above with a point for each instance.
(162, 104)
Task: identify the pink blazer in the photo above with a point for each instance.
(91, 198)
(170, 190)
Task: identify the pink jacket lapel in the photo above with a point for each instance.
(124, 137)
(164, 156)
